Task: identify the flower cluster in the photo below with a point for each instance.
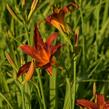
(42, 52)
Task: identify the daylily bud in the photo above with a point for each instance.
(13, 14)
(23, 2)
(33, 7)
(10, 60)
(76, 37)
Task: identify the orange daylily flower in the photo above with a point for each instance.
(42, 54)
(57, 17)
(100, 103)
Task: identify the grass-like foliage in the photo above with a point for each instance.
(71, 64)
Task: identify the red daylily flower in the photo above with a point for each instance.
(100, 103)
(42, 54)
(57, 17)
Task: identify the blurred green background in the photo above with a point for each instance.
(92, 58)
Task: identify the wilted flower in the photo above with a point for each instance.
(100, 103)
(42, 54)
(57, 17)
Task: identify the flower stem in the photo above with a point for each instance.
(66, 39)
(53, 90)
(74, 83)
(41, 89)
(67, 99)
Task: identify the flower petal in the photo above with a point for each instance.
(86, 103)
(37, 39)
(57, 23)
(30, 72)
(107, 105)
(51, 38)
(54, 48)
(29, 51)
(23, 69)
(49, 69)
(40, 56)
(100, 101)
